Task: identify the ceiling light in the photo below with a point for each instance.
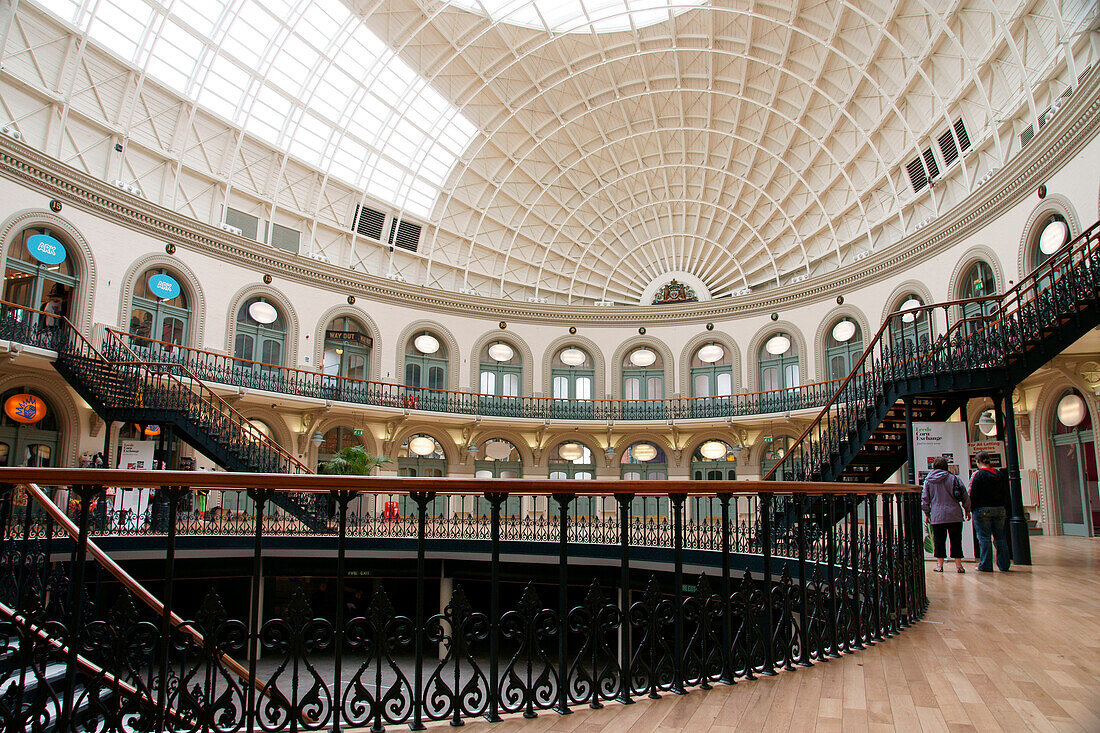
(572, 357)
(713, 450)
(909, 305)
(777, 344)
(643, 357)
(1071, 410)
(570, 451)
(501, 352)
(426, 344)
(422, 445)
(987, 423)
(711, 353)
(844, 330)
(262, 312)
(1053, 237)
(643, 452)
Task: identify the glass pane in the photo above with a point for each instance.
(558, 475)
(242, 349)
(5, 451)
(172, 331)
(435, 377)
(701, 386)
(584, 475)
(561, 388)
(511, 385)
(584, 388)
(412, 375)
(838, 367)
(356, 366)
(509, 474)
(330, 363)
(725, 384)
(655, 388)
(483, 473)
(488, 383)
(1069, 484)
(38, 455)
(632, 388)
(769, 378)
(273, 352)
(141, 323)
(790, 375)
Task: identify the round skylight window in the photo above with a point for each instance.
(426, 344)
(711, 353)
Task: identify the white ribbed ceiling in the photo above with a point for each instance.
(582, 150)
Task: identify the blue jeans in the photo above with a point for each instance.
(989, 524)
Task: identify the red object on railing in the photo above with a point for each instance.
(390, 510)
(410, 401)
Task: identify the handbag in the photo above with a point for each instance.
(958, 491)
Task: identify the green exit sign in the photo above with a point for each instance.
(357, 431)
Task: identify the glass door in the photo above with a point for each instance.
(1076, 482)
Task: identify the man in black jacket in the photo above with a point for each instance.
(988, 497)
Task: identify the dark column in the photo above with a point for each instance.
(1017, 522)
(909, 449)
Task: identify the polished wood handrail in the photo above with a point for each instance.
(380, 485)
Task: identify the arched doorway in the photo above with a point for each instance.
(28, 443)
(1075, 475)
(645, 461)
(160, 313)
(40, 274)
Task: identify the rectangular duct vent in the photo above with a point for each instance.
(922, 170)
(948, 149)
(246, 224)
(962, 134)
(407, 234)
(285, 238)
(1026, 135)
(368, 222)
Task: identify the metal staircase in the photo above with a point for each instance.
(121, 386)
(936, 356)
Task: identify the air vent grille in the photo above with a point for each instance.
(962, 134)
(407, 234)
(930, 163)
(948, 148)
(917, 176)
(1026, 135)
(368, 222)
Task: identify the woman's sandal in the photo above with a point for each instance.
(937, 570)
(961, 570)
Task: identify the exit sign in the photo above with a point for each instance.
(357, 431)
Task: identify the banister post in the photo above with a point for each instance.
(563, 500)
(1017, 522)
(173, 495)
(624, 592)
(495, 500)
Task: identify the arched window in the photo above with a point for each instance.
(911, 329)
(775, 447)
(843, 347)
(501, 370)
(643, 374)
(573, 460)
(1075, 474)
(573, 377)
(421, 455)
(261, 333)
(39, 281)
(713, 460)
(28, 443)
(160, 311)
(645, 461)
(712, 371)
(1050, 236)
(498, 459)
(347, 349)
(978, 282)
(779, 363)
(425, 362)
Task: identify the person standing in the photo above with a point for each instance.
(946, 505)
(988, 497)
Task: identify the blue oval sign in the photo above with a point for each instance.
(46, 249)
(164, 287)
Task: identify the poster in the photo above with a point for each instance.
(131, 505)
(932, 440)
(995, 448)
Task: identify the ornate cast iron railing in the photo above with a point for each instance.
(767, 603)
(998, 337)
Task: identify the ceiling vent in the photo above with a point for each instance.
(404, 234)
(368, 222)
(1026, 135)
(923, 170)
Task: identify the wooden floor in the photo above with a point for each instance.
(1018, 651)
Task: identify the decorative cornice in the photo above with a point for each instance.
(1070, 131)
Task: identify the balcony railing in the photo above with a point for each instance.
(769, 601)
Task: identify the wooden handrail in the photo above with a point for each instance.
(378, 485)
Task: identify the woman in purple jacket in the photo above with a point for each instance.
(945, 512)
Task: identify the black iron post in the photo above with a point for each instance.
(830, 573)
(769, 611)
(891, 563)
(624, 592)
(563, 500)
(76, 603)
(855, 641)
(422, 499)
(727, 614)
(910, 460)
(173, 494)
(1017, 523)
(343, 499)
(259, 497)
(803, 606)
(495, 500)
(872, 519)
(677, 501)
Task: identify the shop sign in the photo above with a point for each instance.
(152, 430)
(46, 249)
(164, 286)
(25, 408)
(350, 337)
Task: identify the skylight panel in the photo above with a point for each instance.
(304, 75)
(579, 16)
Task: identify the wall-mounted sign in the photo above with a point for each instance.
(350, 337)
(46, 249)
(152, 430)
(164, 287)
(25, 408)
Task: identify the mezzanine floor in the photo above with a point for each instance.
(1018, 652)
